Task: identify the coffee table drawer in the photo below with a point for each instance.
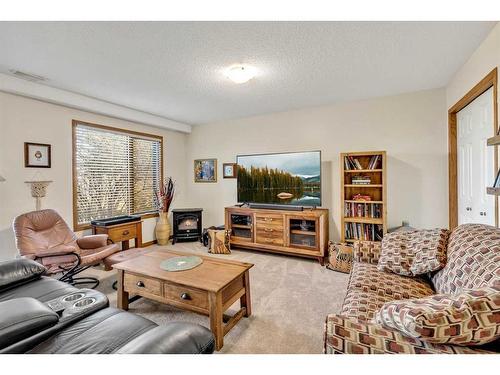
(189, 296)
(138, 284)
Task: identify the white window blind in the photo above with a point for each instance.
(117, 173)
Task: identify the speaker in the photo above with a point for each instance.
(267, 206)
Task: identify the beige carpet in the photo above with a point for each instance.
(290, 299)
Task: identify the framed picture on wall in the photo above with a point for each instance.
(229, 170)
(37, 155)
(205, 170)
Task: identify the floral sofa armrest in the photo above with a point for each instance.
(367, 251)
(349, 336)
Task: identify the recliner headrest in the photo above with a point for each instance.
(39, 220)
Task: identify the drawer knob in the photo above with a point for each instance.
(268, 229)
(140, 284)
(185, 296)
(125, 232)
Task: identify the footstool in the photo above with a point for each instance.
(119, 257)
(122, 256)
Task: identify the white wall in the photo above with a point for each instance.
(411, 128)
(483, 60)
(28, 120)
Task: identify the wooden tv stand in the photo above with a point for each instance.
(301, 233)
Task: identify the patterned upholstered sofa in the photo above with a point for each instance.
(473, 261)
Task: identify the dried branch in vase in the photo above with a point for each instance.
(165, 194)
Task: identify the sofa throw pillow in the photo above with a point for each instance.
(367, 252)
(468, 318)
(219, 242)
(339, 257)
(413, 253)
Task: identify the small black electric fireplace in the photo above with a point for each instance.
(187, 224)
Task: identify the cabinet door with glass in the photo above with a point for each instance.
(303, 232)
(241, 227)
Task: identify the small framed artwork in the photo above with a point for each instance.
(205, 170)
(36, 155)
(229, 170)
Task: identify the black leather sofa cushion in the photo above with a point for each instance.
(43, 289)
(22, 318)
(182, 339)
(19, 271)
(116, 331)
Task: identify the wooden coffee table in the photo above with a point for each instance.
(210, 289)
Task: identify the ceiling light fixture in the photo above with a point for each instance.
(240, 73)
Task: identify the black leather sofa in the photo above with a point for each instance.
(39, 314)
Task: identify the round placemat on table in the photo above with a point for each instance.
(180, 263)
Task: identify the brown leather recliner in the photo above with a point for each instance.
(46, 238)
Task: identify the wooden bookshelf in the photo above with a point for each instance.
(363, 170)
(364, 220)
(365, 186)
(366, 202)
(367, 220)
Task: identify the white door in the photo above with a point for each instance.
(475, 161)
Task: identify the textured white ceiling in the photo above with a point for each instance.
(173, 69)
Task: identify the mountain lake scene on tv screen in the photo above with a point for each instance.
(293, 179)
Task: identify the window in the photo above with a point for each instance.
(115, 172)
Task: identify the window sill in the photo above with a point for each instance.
(150, 215)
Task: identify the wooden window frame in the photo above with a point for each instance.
(485, 84)
(74, 124)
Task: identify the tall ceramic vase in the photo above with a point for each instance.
(162, 229)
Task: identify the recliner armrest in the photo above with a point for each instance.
(22, 318)
(93, 241)
(173, 338)
(57, 251)
(19, 271)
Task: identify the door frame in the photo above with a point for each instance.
(485, 84)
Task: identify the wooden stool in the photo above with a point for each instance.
(122, 256)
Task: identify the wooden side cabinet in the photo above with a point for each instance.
(122, 233)
(300, 233)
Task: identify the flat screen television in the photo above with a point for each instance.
(292, 178)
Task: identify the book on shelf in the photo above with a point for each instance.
(374, 162)
(351, 163)
(347, 165)
(358, 164)
(361, 179)
(366, 210)
(363, 232)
